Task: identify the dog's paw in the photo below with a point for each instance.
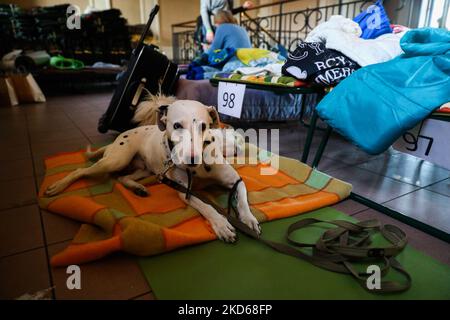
(55, 188)
(223, 229)
(250, 220)
(141, 192)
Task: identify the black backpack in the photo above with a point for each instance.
(148, 68)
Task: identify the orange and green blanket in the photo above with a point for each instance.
(115, 219)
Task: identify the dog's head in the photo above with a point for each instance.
(187, 124)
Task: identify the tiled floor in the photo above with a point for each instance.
(29, 236)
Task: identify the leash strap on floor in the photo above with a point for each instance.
(337, 249)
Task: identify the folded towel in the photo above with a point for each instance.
(273, 69)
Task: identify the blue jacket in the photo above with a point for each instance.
(230, 35)
(376, 104)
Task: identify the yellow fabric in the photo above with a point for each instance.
(246, 55)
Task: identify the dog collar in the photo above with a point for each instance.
(168, 146)
(168, 162)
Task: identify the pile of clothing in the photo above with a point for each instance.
(244, 61)
(338, 47)
(404, 77)
(378, 103)
(205, 66)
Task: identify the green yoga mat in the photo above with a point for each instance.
(250, 270)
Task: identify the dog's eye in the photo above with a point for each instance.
(203, 126)
(177, 125)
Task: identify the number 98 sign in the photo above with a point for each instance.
(230, 98)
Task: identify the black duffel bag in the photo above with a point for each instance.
(148, 68)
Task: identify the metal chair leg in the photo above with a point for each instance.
(309, 137)
(302, 110)
(322, 147)
(401, 217)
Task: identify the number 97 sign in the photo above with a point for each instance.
(230, 98)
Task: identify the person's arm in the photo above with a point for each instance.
(245, 6)
(204, 12)
(237, 10)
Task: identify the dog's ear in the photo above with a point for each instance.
(162, 117)
(214, 117)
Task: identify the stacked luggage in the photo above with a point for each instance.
(103, 35)
(50, 24)
(16, 27)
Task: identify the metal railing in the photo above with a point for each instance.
(287, 26)
(183, 43)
